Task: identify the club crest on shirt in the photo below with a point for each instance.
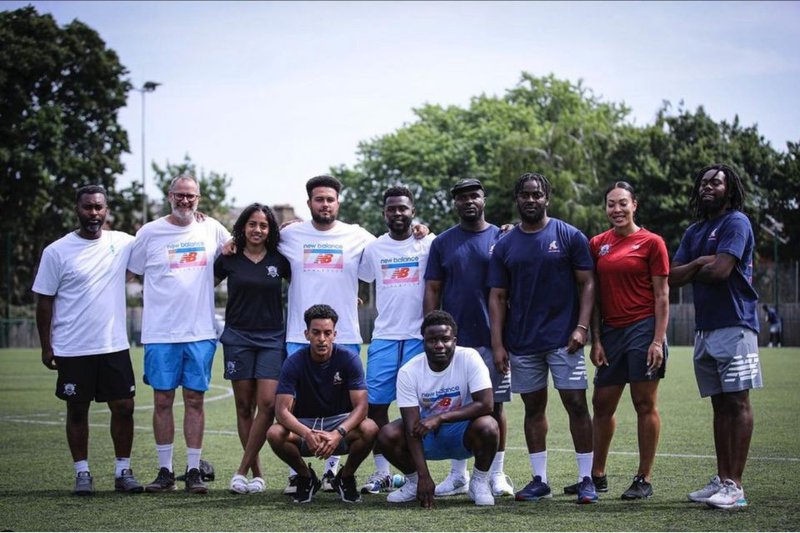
(553, 247)
(604, 249)
(272, 271)
(713, 235)
(636, 247)
(70, 389)
(337, 378)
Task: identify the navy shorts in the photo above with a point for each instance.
(253, 354)
(626, 352)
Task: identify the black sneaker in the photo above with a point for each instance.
(291, 487)
(600, 485)
(127, 483)
(639, 489)
(194, 482)
(327, 481)
(164, 482)
(307, 487)
(346, 487)
(84, 484)
(206, 472)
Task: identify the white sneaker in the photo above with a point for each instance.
(239, 484)
(406, 493)
(480, 492)
(453, 484)
(702, 495)
(257, 484)
(501, 484)
(728, 497)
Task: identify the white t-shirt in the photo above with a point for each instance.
(87, 278)
(324, 271)
(441, 392)
(178, 267)
(398, 270)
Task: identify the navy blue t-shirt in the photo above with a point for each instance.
(460, 260)
(538, 271)
(254, 290)
(321, 389)
(732, 302)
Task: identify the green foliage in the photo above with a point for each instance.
(61, 91)
(213, 186)
(32, 441)
(582, 144)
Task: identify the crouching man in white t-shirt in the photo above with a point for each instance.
(445, 400)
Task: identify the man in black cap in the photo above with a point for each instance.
(455, 280)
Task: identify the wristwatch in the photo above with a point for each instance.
(341, 431)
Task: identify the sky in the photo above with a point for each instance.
(273, 93)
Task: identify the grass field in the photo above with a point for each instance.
(36, 472)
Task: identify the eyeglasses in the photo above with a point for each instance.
(184, 196)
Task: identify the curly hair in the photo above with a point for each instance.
(274, 230)
(733, 187)
(438, 318)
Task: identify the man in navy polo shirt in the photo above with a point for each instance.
(716, 256)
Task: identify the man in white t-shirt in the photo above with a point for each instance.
(396, 262)
(324, 254)
(176, 255)
(81, 319)
(445, 399)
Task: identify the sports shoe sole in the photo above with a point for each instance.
(161, 489)
(532, 499)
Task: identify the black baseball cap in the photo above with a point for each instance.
(465, 185)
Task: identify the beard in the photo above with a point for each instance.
(532, 218)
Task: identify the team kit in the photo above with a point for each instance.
(465, 319)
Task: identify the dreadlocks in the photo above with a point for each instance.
(543, 182)
(733, 186)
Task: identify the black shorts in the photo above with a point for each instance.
(101, 378)
(626, 351)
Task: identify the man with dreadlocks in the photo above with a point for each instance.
(716, 256)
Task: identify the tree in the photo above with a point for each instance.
(213, 187)
(544, 124)
(62, 88)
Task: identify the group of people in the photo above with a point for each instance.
(464, 320)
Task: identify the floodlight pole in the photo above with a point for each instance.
(147, 87)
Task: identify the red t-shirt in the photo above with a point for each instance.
(624, 267)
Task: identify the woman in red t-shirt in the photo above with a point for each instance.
(629, 325)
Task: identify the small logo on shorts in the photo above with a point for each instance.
(272, 271)
(133, 388)
(604, 249)
(70, 389)
(230, 368)
(337, 379)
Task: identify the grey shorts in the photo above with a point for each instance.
(726, 360)
(529, 372)
(327, 423)
(501, 383)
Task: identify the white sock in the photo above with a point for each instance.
(382, 465)
(498, 463)
(81, 466)
(193, 457)
(412, 478)
(539, 465)
(584, 464)
(458, 467)
(332, 464)
(165, 456)
(479, 475)
(122, 463)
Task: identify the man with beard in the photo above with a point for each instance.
(396, 262)
(324, 254)
(176, 255)
(716, 256)
(540, 302)
(80, 316)
(456, 280)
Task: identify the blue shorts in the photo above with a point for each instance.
(626, 351)
(529, 372)
(726, 360)
(185, 364)
(384, 359)
(447, 442)
(292, 347)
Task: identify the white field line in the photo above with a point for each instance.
(37, 419)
